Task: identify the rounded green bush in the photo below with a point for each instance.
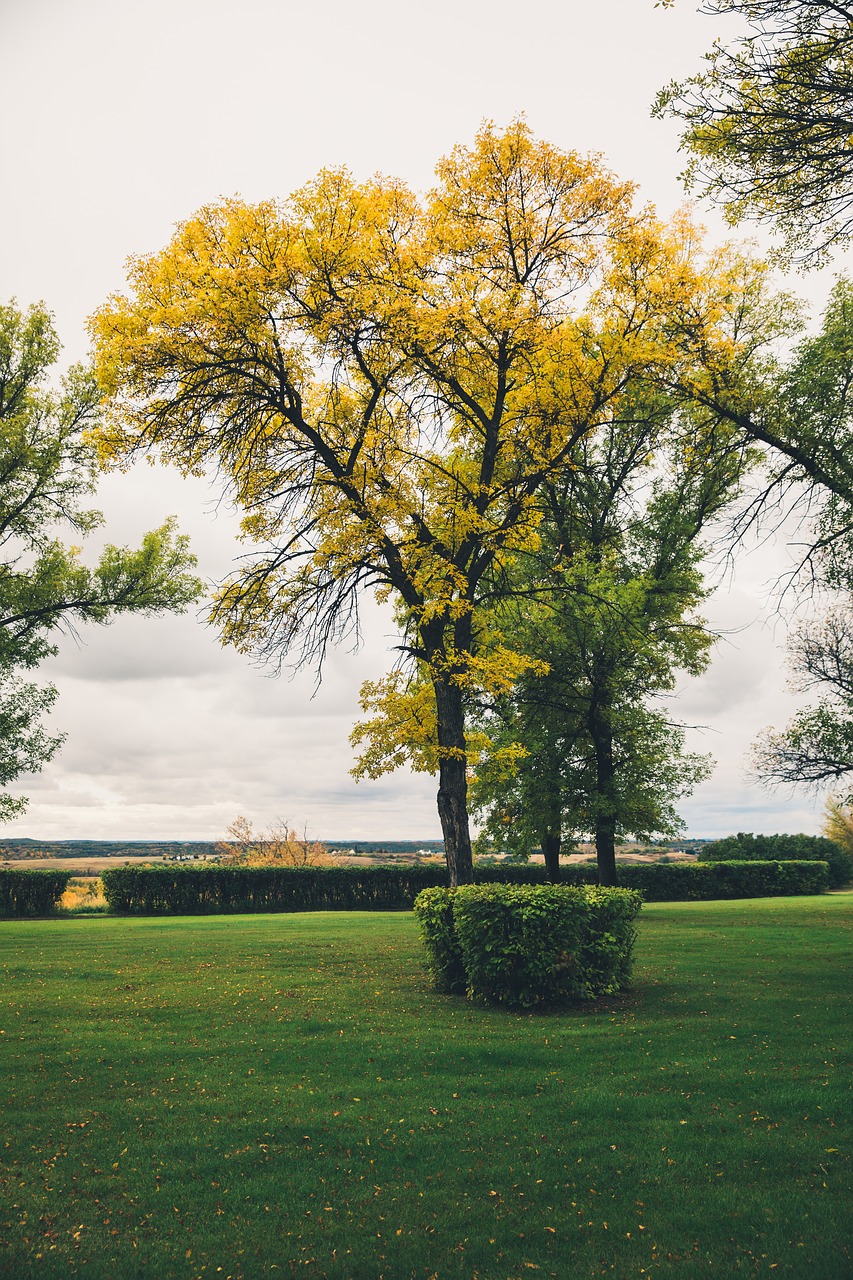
(523, 945)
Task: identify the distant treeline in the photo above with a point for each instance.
(24, 847)
(384, 846)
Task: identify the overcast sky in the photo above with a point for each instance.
(121, 118)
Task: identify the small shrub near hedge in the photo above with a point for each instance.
(199, 890)
(31, 893)
(745, 847)
(523, 945)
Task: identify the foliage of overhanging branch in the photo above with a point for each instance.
(47, 471)
(801, 411)
(767, 122)
(816, 747)
(24, 744)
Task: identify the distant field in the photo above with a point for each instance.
(87, 865)
(79, 866)
(260, 1096)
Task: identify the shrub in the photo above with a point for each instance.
(745, 847)
(606, 957)
(31, 893)
(526, 945)
(434, 911)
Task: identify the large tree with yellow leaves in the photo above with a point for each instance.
(386, 382)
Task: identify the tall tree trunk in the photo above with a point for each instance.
(605, 850)
(605, 787)
(453, 782)
(551, 842)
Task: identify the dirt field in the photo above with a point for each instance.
(94, 866)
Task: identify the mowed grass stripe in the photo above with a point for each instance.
(284, 1095)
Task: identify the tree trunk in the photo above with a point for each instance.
(551, 842)
(605, 789)
(605, 851)
(453, 782)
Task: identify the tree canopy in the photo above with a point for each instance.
(767, 122)
(47, 470)
(387, 382)
(607, 606)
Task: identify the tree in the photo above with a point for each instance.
(801, 411)
(386, 384)
(838, 827)
(768, 121)
(279, 845)
(47, 468)
(811, 429)
(607, 603)
(817, 746)
(768, 125)
(806, 418)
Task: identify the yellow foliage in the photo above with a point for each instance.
(838, 823)
(278, 846)
(387, 381)
(83, 891)
(400, 728)
(401, 725)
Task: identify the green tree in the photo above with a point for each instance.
(387, 383)
(767, 123)
(608, 603)
(809, 425)
(803, 416)
(47, 469)
(808, 422)
(816, 747)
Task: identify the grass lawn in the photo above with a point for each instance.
(254, 1096)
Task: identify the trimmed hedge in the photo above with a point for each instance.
(697, 881)
(31, 893)
(194, 890)
(523, 945)
(434, 912)
(197, 890)
(745, 847)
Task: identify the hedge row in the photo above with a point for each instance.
(745, 847)
(193, 890)
(697, 881)
(522, 945)
(31, 893)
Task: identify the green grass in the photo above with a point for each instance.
(285, 1096)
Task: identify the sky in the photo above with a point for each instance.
(121, 120)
